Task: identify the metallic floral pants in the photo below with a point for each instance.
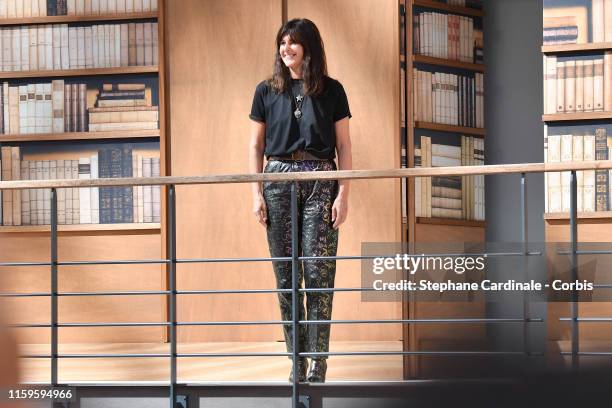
(316, 237)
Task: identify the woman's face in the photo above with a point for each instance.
(291, 53)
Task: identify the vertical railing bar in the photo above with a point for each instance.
(294, 294)
(171, 245)
(54, 297)
(574, 278)
(525, 240)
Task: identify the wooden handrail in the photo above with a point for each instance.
(314, 175)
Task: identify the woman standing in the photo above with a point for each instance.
(300, 119)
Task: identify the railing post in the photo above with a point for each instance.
(171, 254)
(525, 249)
(294, 294)
(54, 334)
(574, 278)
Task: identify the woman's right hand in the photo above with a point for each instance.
(259, 209)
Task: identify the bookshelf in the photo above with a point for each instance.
(575, 134)
(78, 72)
(93, 241)
(139, 67)
(425, 59)
(420, 230)
(151, 227)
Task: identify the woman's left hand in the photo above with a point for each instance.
(339, 210)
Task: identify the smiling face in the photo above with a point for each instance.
(291, 53)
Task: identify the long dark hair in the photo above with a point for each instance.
(314, 67)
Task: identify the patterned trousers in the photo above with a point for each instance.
(316, 237)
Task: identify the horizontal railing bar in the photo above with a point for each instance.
(126, 293)
(416, 353)
(421, 255)
(586, 252)
(32, 325)
(306, 290)
(305, 354)
(33, 294)
(238, 323)
(114, 324)
(602, 285)
(229, 291)
(319, 175)
(99, 355)
(588, 353)
(279, 322)
(124, 262)
(189, 355)
(587, 319)
(391, 321)
(25, 263)
(221, 260)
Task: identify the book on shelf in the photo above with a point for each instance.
(63, 46)
(475, 4)
(593, 186)
(447, 36)
(577, 85)
(80, 205)
(458, 197)
(449, 98)
(565, 24)
(57, 107)
(39, 8)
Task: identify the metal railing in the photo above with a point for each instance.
(171, 261)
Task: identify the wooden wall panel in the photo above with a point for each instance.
(589, 230)
(211, 82)
(73, 247)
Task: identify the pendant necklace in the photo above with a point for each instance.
(298, 103)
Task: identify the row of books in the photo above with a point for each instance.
(449, 98)
(570, 24)
(59, 46)
(581, 85)
(476, 4)
(593, 185)
(457, 197)
(85, 205)
(37, 8)
(57, 107)
(447, 36)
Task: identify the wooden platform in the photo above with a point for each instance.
(210, 369)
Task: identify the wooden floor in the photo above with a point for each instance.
(213, 369)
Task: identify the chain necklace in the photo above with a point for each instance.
(298, 103)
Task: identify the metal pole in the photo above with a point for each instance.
(574, 245)
(171, 246)
(54, 338)
(294, 294)
(524, 239)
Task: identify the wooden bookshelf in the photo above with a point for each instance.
(48, 137)
(451, 222)
(131, 227)
(450, 128)
(581, 215)
(467, 11)
(79, 72)
(419, 230)
(424, 59)
(78, 19)
(558, 117)
(560, 48)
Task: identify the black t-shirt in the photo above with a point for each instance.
(314, 132)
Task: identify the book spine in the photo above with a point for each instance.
(58, 105)
(598, 85)
(76, 199)
(570, 86)
(46, 204)
(7, 195)
(84, 192)
(95, 191)
(601, 176)
(127, 203)
(580, 86)
(560, 86)
(61, 193)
